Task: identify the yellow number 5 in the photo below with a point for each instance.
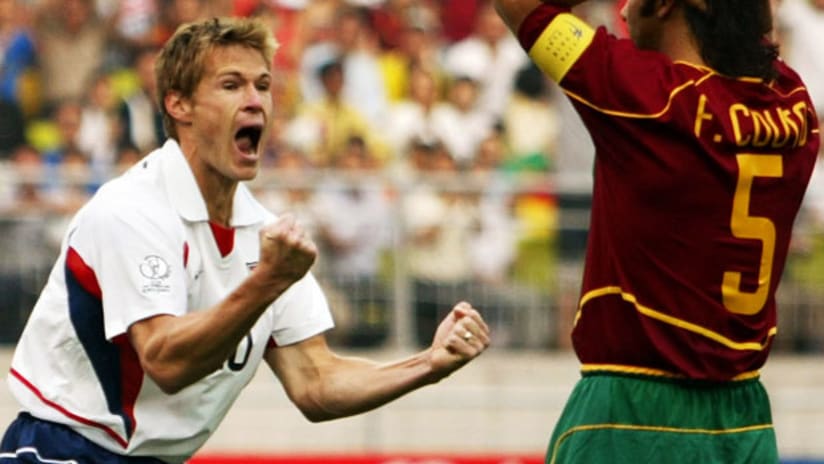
(745, 226)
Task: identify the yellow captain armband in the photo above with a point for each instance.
(560, 45)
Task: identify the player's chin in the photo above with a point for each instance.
(246, 166)
(246, 171)
(247, 174)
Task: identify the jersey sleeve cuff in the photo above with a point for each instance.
(534, 24)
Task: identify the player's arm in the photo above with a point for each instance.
(324, 385)
(513, 12)
(176, 351)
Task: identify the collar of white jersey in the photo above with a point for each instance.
(185, 196)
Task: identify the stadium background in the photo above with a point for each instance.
(447, 153)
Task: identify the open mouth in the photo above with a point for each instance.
(247, 139)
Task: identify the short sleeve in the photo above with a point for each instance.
(136, 256)
(301, 312)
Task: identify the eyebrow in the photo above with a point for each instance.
(236, 73)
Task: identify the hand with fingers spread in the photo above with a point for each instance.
(461, 336)
(286, 252)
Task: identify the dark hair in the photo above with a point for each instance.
(732, 36)
(531, 81)
(330, 66)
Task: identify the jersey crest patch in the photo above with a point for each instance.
(155, 270)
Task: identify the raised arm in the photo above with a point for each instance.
(513, 12)
(324, 385)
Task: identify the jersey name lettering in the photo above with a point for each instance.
(773, 127)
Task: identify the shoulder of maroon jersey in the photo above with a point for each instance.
(788, 80)
(535, 23)
(787, 83)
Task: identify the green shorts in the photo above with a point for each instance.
(617, 419)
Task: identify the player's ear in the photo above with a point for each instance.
(178, 107)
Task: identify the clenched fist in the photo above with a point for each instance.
(286, 252)
(461, 336)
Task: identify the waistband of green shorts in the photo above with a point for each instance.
(659, 374)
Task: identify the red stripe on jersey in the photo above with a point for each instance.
(83, 273)
(122, 442)
(271, 343)
(131, 376)
(534, 24)
(225, 238)
(185, 254)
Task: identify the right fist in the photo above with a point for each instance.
(286, 251)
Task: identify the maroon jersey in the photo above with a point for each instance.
(698, 178)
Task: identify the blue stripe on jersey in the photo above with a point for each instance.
(86, 313)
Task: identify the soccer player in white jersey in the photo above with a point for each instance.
(173, 283)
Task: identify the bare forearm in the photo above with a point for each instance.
(178, 351)
(356, 385)
(324, 385)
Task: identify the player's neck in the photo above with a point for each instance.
(680, 45)
(219, 201)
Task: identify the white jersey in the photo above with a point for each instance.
(144, 246)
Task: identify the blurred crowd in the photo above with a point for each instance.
(419, 121)
(392, 77)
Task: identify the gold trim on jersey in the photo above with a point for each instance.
(671, 320)
(651, 372)
(561, 44)
(674, 92)
(625, 114)
(652, 428)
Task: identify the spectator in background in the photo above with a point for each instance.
(491, 56)
(493, 248)
(458, 18)
(355, 45)
(323, 128)
(354, 221)
(460, 123)
(127, 156)
(389, 21)
(418, 48)
(175, 13)
(67, 116)
(18, 59)
(141, 123)
(100, 127)
(531, 106)
(131, 25)
(358, 48)
(75, 187)
(18, 56)
(27, 194)
(411, 117)
(455, 121)
(71, 42)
